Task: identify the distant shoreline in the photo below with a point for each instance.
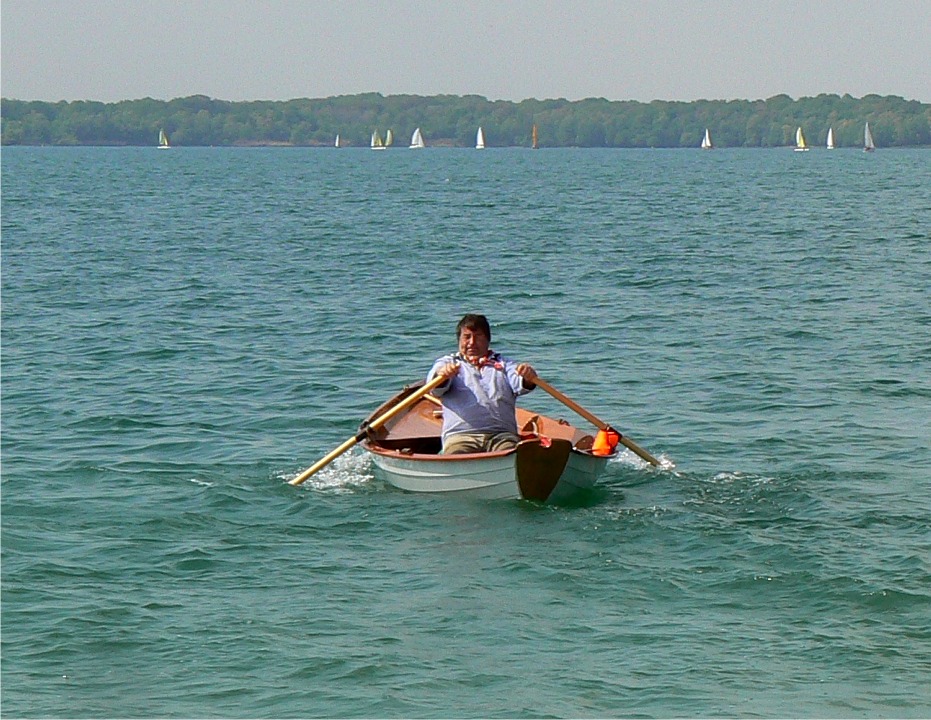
(452, 121)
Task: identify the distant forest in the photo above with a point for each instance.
(451, 120)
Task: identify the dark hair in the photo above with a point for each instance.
(474, 322)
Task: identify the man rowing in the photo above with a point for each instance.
(480, 393)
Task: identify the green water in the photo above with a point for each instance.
(184, 330)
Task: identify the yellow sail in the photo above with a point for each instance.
(800, 139)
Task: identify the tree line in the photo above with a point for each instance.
(452, 120)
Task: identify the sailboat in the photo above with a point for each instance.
(417, 140)
(377, 142)
(389, 138)
(868, 144)
(163, 143)
(533, 138)
(706, 141)
(480, 139)
(336, 144)
(800, 144)
(830, 138)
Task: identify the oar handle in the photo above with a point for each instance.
(594, 420)
(374, 425)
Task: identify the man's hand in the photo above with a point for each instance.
(527, 372)
(449, 370)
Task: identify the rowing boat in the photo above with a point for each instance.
(553, 462)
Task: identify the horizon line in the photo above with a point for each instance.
(476, 95)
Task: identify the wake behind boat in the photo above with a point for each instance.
(553, 462)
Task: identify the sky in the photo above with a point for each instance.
(110, 50)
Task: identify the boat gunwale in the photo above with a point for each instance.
(373, 447)
(373, 442)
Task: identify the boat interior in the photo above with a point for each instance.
(417, 431)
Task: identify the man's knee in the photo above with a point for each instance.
(463, 443)
(479, 442)
(502, 441)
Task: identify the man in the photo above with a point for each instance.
(480, 392)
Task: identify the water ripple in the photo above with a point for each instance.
(185, 332)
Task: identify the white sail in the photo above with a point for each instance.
(377, 143)
(800, 144)
(163, 139)
(417, 139)
(336, 144)
(389, 138)
(706, 141)
(868, 144)
(830, 138)
(480, 139)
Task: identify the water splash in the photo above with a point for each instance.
(348, 473)
(630, 459)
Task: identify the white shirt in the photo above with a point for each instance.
(479, 399)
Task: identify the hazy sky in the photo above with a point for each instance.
(503, 49)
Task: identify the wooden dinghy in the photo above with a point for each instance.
(553, 462)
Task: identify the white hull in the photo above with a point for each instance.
(489, 476)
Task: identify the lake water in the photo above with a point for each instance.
(184, 330)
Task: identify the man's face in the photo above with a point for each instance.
(473, 343)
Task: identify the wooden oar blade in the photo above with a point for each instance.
(324, 461)
(643, 454)
(594, 420)
(374, 425)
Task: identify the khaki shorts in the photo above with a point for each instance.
(473, 442)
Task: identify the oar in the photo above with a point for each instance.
(374, 425)
(600, 424)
